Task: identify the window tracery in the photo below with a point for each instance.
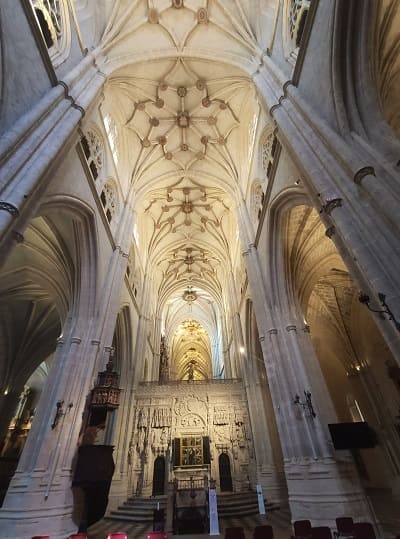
(130, 266)
(108, 200)
(53, 19)
(268, 143)
(93, 148)
(133, 273)
(257, 200)
(266, 153)
(294, 20)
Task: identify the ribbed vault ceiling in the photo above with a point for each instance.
(328, 294)
(186, 113)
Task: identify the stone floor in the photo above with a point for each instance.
(279, 519)
(385, 507)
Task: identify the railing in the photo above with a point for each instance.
(213, 381)
(191, 484)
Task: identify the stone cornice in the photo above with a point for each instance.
(184, 388)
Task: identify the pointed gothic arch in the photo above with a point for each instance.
(225, 473)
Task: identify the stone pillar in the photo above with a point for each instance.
(358, 203)
(320, 486)
(124, 426)
(237, 325)
(225, 349)
(31, 150)
(123, 419)
(39, 498)
(269, 461)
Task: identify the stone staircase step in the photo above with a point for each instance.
(138, 510)
(114, 515)
(140, 517)
(147, 501)
(241, 504)
(237, 504)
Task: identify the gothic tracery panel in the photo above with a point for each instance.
(53, 20)
(295, 13)
(109, 200)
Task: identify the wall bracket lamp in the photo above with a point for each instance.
(60, 412)
(365, 300)
(307, 404)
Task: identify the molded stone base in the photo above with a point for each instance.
(324, 489)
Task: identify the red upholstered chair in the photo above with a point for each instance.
(364, 530)
(235, 532)
(157, 535)
(321, 532)
(345, 527)
(117, 535)
(302, 529)
(263, 532)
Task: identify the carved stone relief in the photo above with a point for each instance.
(161, 418)
(169, 412)
(221, 416)
(190, 404)
(191, 420)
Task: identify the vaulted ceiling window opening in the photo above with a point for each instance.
(192, 335)
(191, 352)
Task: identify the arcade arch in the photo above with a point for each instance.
(352, 354)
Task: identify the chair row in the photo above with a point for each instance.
(346, 528)
(114, 535)
(304, 530)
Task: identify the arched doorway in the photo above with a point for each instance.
(225, 477)
(159, 476)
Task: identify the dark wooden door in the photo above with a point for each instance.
(159, 476)
(225, 477)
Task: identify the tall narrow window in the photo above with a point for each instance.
(93, 148)
(52, 17)
(257, 200)
(268, 148)
(112, 135)
(295, 15)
